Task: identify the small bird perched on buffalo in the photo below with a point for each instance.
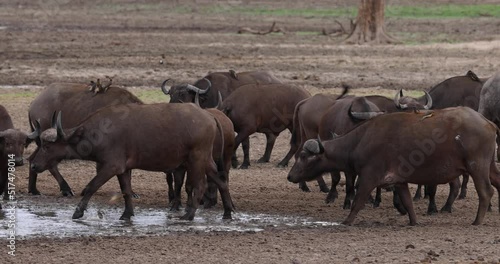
(97, 87)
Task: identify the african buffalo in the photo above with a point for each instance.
(76, 102)
(455, 91)
(306, 118)
(339, 118)
(12, 143)
(489, 105)
(431, 147)
(170, 135)
(223, 82)
(222, 154)
(263, 108)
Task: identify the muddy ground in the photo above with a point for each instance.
(46, 41)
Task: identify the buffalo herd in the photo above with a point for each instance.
(377, 142)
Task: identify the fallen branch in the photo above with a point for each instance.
(337, 32)
(273, 29)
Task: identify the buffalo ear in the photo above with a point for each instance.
(74, 135)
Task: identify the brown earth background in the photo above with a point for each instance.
(60, 40)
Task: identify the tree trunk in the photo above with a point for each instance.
(369, 26)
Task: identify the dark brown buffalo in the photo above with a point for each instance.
(309, 113)
(170, 135)
(401, 148)
(262, 108)
(221, 153)
(347, 113)
(306, 118)
(221, 82)
(462, 90)
(12, 143)
(76, 102)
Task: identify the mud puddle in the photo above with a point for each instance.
(55, 221)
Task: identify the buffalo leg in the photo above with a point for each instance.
(63, 185)
(33, 177)
(178, 182)
(432, 208)
(303, 187)
(221, 183)
(243, 139)
(126, 188)
(195, 186)
(418, 193)
(378, 197)
(463, 189)
(4, 182)
(103, 175)
(404, 194)
(454, 188)
(322, 184)
(270, 140)
(397, 203)
(170, 182)
(484, 192)
(366, 186)
(333, 194)
(293, 149)
(350, 178)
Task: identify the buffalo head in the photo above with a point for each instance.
(310, 162)
(185, 93)
(405, 102)
(57, 144)
(12, 142)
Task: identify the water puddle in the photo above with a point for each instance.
(55, 221)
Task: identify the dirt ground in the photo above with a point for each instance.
(61, 40)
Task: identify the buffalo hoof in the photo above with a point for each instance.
(209, 204)
(282, 165)
(347, 223)
(34, 192)
(324, 189)
(347, 205)
(188, 216)
(446, 209)
(462, 195)
(432, 211)
(77, 214)
(244, 166)
(126, 216)
(304, 187)
(175, 206)
(67, 193)
(330, 198)
(234, 163)
(262, 160)
(227, 216)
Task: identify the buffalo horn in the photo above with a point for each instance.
(60, 131)
(164, 88)
(198, 90)
(428, 105)
(398, 96)
(36, 129)
(197, 99)
(219, 100)
(312, 146)
(363, 115)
